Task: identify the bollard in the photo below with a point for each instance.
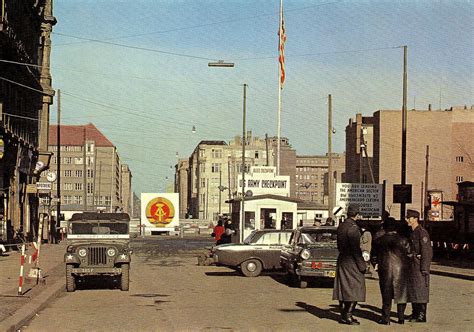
(22, 263)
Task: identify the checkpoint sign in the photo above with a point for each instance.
(160, 211)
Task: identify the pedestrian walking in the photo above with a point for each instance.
(366, 248)
(218, 231)
(419, 277)
(349, 284)
(392, 252)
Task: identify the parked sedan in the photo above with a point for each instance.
(312, 253)
(260, 251)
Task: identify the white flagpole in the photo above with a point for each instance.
(279, 90)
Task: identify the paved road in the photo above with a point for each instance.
(169, 292)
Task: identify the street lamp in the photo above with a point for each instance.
(220, 63)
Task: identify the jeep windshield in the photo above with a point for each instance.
(98, 226)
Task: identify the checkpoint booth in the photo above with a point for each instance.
(265, 212)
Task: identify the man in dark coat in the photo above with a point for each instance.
(349, 284)
(419, 277)
(394, 264)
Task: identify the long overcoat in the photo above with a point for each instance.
(349, 284)
(394, 265)
(419, 284)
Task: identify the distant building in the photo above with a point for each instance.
(312, 176)
(106, 184)
(448, 133)
(213, 169)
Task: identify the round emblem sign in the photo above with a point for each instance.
(160, 211)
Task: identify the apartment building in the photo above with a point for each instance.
(441, 137)
(92, 176)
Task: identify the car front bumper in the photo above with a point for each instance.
(317, 273)
(83, 271)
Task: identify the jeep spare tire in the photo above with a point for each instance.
(251, 268)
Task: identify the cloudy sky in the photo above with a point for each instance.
(138, 69)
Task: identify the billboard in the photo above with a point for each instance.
(263, 180)
(367, 195)
(160, 211)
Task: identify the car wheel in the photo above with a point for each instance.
(125, 277)
(303, 283)
(251, 268)
(70, 279)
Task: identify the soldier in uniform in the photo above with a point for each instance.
(419, 276)
(349, 284)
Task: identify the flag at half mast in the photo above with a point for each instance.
(281, 47)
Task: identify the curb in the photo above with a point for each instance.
(452, 274)
(29, 310)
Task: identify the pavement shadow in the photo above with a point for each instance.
(333, 312)
(330, 314)
(282, 278)
(224, 274)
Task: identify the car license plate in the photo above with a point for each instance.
(332, 274)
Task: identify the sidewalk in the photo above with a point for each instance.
(16, 310)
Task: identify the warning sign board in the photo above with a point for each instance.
(367, 195)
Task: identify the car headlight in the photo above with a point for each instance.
(82, 252)
(305, 254)
(111, 252)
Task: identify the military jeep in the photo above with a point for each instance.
(98, 246)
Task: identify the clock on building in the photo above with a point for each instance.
(51, 176)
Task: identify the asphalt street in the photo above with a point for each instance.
(170, 292)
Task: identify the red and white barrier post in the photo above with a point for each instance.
(20, 282)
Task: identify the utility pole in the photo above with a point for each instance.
(266, 148)
(100, 174)
(425, 194)
(220, 188)
(404, 130)
(84, 170)
(94, 198)
(242, 216)
(330, 171)
(228, 182)
(58, 160)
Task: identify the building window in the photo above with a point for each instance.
(203, 183)
(77, 199)
(90, 173)
(460, 159)
(67, 160)
(459, 178)
(78, 186)
(108, 200)
(90, 188)
(78, 173)
(78, 161)
(216, 153)
(68, 173)
(203, 168)
(67, 200)
(215, 168)
(54, 160)
(90, 161)
(256, 154)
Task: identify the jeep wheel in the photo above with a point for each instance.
(70, 279)
(125, 277)
(251, 268)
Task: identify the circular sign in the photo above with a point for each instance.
(51, 176)
(160, 211)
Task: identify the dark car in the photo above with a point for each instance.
(98, 246)
(312, 253)
(260, 251)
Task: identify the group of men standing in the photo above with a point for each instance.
(403, 267)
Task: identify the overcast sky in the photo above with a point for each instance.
(138, 69)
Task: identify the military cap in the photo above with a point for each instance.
(353, 210)
(413, 213)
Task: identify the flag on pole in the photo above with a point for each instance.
(281, 47)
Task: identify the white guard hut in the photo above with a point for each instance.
(265, 211)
